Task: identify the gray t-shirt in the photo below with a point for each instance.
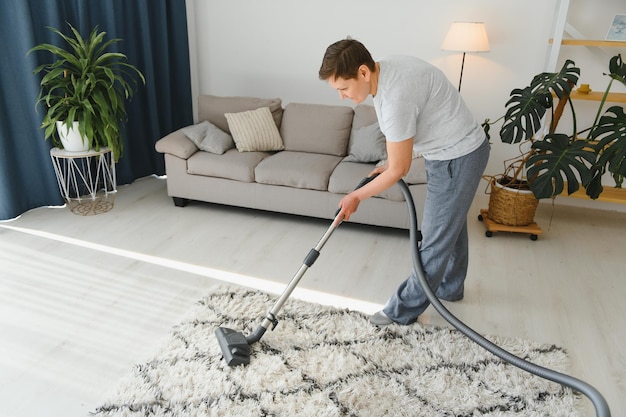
(414, 99)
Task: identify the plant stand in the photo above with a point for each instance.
(532, 228)
(86, 179)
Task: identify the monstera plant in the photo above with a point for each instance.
(576, 157)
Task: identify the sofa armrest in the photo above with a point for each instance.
(177, 144)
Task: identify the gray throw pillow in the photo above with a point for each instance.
(367, 144)
(210, 138)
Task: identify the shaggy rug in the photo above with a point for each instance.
(323, 361)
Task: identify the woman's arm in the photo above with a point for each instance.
(399, 157)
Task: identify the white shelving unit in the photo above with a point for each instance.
(609, 194)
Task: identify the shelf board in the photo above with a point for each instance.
(592, 42)
(609, 194)
(597, 96)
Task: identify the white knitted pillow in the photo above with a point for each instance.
(254, 130)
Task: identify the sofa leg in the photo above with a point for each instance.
(180, 202)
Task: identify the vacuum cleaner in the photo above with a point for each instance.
(235, 345)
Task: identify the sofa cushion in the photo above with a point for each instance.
(417, 172)
(367, 144)
(297, 169)
(348, 174)
(316, 128)
(177, 144)
(208, 137)
(364, 115)
(213, 108)
(233, 165)
(254, 130)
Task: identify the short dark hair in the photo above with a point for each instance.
(343, 59)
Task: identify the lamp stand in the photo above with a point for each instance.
(461, 77)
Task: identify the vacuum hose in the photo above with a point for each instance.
(600, 404)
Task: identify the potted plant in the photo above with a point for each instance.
(86, 86)
(548, 159)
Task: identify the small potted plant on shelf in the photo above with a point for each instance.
(550, 161)
(85, 89)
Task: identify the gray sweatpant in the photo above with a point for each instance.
(451, 189)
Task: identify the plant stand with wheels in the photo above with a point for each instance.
(86, 179)
(492, 226)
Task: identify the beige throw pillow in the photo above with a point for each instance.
(254, 130)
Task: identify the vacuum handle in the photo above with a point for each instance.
(365, 181)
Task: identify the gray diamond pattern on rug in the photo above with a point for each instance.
(323, 361)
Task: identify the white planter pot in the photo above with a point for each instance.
(71, 140)
(512, 189)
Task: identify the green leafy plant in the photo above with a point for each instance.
(89, 85)
(554, 159)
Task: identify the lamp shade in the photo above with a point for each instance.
(466, 37)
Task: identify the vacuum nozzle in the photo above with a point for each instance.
(235, 347)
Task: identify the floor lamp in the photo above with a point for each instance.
(466, 37)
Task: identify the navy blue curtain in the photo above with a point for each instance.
(154, 34)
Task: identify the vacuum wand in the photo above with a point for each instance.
(235, 345)
(309, 260)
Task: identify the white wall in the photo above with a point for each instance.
(273, 48)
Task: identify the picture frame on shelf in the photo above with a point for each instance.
(617, 30)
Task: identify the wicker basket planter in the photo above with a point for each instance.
(511, 206)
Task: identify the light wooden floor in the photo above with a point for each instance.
(84, 298)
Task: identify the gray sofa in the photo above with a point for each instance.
(324, 152)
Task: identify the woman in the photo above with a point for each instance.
(418, 109)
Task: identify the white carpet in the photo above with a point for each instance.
(322, 361)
